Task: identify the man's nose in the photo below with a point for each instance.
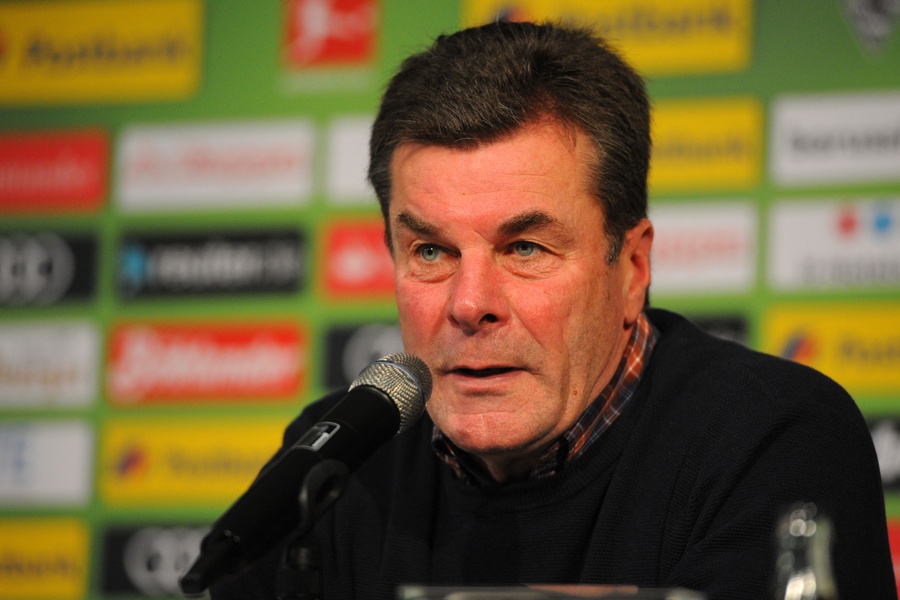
(477, 299)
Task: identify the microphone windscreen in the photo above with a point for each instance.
(405, 379)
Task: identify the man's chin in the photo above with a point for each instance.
(490, 447)
(495, 434)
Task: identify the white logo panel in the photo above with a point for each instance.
(348, 161)
(45, 463)
(704, 247)
(246, 164)
(829, 139)
(48, 364)
(835, 244)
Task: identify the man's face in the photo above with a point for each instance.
(503, 288)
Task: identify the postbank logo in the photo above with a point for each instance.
(92, 51)
(172, 462)
(659, 37)
(43, 558)
(857, 344)
(706, 145)
(155, 362)
(357, 262)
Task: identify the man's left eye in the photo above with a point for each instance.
(525, 248)
(429, 252)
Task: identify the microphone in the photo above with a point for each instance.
(385, 399)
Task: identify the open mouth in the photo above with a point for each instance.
(483, 372)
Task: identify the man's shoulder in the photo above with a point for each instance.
(731, 372)
(718, 400)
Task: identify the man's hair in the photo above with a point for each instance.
(482, 84)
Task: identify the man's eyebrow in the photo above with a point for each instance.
(515, 225)
(529, 221)
(415, 224)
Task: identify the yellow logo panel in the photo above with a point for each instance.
(658, 37)
(856, 345)
(706, 145)
(43, 558)
(90, 51)
(148, 462)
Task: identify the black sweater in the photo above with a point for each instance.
(684, 489)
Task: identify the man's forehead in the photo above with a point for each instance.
(533, 179)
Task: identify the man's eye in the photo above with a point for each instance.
(525, 248)
(429, 252)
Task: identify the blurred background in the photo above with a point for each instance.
(189, 252)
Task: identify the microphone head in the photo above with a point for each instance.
(405, 379)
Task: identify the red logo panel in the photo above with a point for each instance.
(894, 539)
(42, 172)
(330, 32)
(357, 261)
(169, 362)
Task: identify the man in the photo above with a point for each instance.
(572, 435)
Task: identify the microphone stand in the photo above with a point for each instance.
(299, 572)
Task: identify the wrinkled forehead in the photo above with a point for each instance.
(544, 157)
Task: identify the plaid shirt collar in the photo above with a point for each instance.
(596, 418)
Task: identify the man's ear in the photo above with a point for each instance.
(634, 260)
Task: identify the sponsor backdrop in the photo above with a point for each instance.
(189, 252)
